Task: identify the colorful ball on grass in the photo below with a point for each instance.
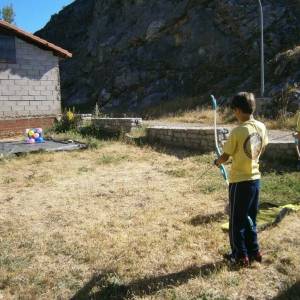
(30, 133)
(39, 140)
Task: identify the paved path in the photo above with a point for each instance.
(280, 136)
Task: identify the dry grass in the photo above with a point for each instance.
(200, 115)
(280, 123)
(206, 116)
(116, 223)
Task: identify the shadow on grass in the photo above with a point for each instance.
(278, 166)
(206, 219)
(292, 293)
(179, 152)
(267, 165)
(100, 287)
(90, 131)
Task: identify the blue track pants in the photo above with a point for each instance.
(243, 200)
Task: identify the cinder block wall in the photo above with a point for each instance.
(31, 87)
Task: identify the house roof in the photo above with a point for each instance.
(30, 38)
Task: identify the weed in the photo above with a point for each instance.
(107, 159)
(8, 180)
(177, 172)
(84, 170)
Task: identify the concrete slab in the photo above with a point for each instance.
(18, 147)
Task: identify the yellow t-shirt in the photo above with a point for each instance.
(245, 145)
(298, 121)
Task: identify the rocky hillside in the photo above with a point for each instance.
(133, 55)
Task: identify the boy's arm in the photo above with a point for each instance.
(222, 159)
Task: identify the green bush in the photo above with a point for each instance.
(69, 121)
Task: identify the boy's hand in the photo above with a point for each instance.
(222, 159)
(216, 163)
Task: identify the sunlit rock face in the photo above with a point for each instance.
(133, 55)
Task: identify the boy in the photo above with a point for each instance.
(245, 145)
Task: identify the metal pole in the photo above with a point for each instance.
(262, 53)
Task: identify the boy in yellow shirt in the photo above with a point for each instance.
(245, 145)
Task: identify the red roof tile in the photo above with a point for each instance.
(35, 40)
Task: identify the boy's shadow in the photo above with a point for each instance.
(292, 293)
(99, 287)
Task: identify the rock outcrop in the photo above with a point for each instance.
(131, 55)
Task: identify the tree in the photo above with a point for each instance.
(7, 13)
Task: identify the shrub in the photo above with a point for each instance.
(69, 121)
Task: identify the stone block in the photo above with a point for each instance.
(21, 82)
(18, 108)
(6, 108)
(33, 92)
(27, 98)
(22, 92)
(7, 92)
(47, 83)
(14, 98)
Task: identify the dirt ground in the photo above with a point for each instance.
(119, 222)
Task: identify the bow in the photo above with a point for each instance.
(297, 144)
(218, 151)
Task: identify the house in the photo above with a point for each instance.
(29, 80)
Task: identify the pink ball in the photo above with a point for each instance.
(36, 135)
(31, 141)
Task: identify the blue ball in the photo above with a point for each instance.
(39, 140)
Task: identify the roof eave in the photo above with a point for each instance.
(58, 51)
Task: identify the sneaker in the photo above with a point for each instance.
(230, 257)
(242, 261)
(257, 257)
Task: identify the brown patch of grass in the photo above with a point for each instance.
(200, 116)
(225, 116)
(280, 123)
(116, 222)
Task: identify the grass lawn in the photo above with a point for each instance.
(117, 222)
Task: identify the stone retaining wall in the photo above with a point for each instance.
(280, 150)
(197, 138)
(85, 120)
(191, 137)
(116, 125)
(202, 139)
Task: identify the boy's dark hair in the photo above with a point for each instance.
(245, 102)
